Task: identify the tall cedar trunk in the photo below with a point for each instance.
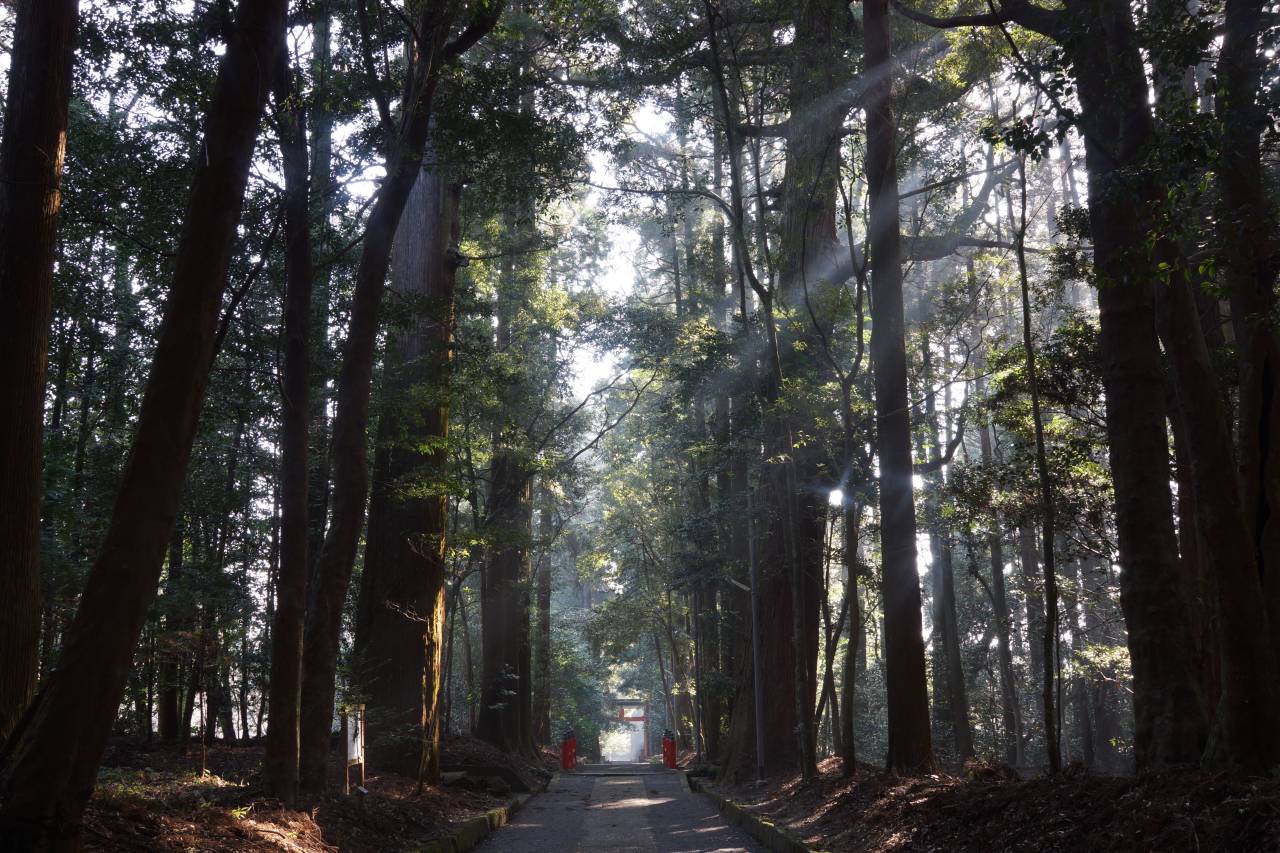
(781, 576)
(1252, 251)
(499, 722)
(504, 721)
(1033, 607)
(400, 617)
(31, 154)
(1247, 713)
(910, 746)
(280, 765)
(1170, 716)
(51, 761)
(542, 639)
(332, 572)
(1195, 562)
(323, 202)
(807, 250)
(1079, 682)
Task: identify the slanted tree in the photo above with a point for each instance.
(50, 762)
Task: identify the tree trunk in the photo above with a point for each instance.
(400, 616)
(542, 657)
(280, 765)
(332, 573)
(50, 762)
(31, 155)
(1170, 716)
(1049, 633)
(910, 746)
(848, 686)
(323, 201)
(173, 644)
(509, 513)
(1011, 715)
(1246, 225)
(1247, 711)
(945, 627)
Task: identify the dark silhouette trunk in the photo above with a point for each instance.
(280, 765)
(31, 155)
(848, 684)
(174, 645)
(1247, 712)
(50, 763)
(323, 200)
(1247, 224)
(1169, 709)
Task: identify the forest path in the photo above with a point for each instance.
(619, 807)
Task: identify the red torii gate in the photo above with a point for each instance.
(627, 712)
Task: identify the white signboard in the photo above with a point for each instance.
(355, 736)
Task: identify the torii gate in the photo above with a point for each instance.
(635, 711)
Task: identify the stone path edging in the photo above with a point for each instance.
(763, 830)
(468, 834)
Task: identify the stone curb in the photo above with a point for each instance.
(468, 834)
(768, 833)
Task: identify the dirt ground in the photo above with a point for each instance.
(153, 798)
(990, 811)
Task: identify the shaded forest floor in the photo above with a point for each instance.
(990, 811)
(154, 798)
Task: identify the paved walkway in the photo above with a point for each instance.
(619, 807)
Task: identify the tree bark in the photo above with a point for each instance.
(400, 616)
(510, 502)
(910, 744)
(31, 155)
(50, 762)
(848, 686)
(1248, 710)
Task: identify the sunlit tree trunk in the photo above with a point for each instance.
(400, 616)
